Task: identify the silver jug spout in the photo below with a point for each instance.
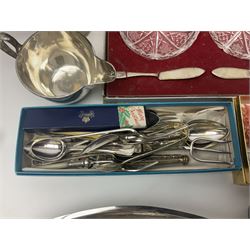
(104, 72)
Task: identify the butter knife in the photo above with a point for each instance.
(231, 73)
(175, 74)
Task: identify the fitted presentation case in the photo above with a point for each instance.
(204, 53)
(106, 117)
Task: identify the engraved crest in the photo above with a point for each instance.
(86, 117)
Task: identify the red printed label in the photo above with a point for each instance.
(132, 117)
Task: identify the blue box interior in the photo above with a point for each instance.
(105, 118)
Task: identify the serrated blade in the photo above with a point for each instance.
(231, 73)
(182, 73)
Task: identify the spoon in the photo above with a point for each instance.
(54, 148)
(46, 149)
(204, 128)
(208, 129)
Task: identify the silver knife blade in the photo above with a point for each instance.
(182, 73)
(231, 73)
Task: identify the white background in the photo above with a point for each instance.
(211, 195)
(112, 234)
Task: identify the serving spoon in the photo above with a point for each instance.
(52, 149)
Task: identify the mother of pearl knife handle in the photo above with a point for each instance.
(231, 73)
(175, 74)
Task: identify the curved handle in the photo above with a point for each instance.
(6, 38)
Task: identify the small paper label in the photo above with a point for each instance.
(132, 117)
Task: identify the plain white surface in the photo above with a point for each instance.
(211, 195)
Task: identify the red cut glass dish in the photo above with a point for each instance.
(234, 43)
(158, 45)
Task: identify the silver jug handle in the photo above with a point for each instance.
(4, 40)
